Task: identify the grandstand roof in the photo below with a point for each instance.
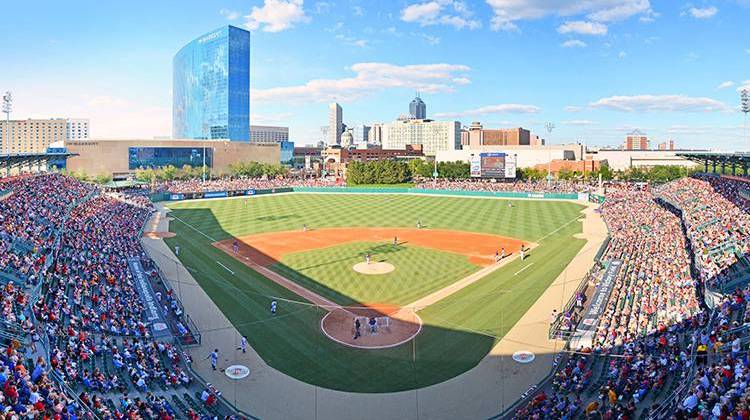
(21, 159)
(738, 158)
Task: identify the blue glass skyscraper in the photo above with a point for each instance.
(211, 87)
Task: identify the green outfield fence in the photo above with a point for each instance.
(355, 190)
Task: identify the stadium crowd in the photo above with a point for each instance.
(717, 222)
(89, 315)
(556, 186)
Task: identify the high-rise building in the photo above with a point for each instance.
(77, 129)
(360, 134)
(375, 135)
(636, 140)
(31, 136)
(434, 136)
(268, 134)
(211, 87)
(417, 108)
(335, 124)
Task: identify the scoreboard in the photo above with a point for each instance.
(493, 165)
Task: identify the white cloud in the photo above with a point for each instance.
(276, 15)
(725, 85)
(579, 122)
(441, 12)
(660, 103)
(492, 109)
(702, 13)
(322, 7)
(745, 85)
(432, 40)
(229, 14)
(582, 27)
(571, 108)
(508, 12)
(573, 43)
(370, 78)
(622, 54)
(350, 40)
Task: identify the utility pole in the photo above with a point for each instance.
(549, 126)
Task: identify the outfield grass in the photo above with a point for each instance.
(418, 272)
(459, 330)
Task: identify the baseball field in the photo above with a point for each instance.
(434, 280)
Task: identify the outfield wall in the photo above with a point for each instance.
(356, 190)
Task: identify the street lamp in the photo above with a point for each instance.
(7, 108)
(549, 126)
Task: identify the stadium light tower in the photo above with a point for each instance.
(745, 102)
(7, 108)
(549, 126)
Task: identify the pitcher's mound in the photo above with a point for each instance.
(374, 268)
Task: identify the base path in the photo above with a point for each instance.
(481, 392)
(269, 248)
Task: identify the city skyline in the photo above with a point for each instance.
(598, 69)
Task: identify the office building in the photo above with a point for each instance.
(211, 87)
(360, 134)
(336, 159)
(121, 158)
(417, 108)
(31, 136)
(335, 124)
(76, 129)
(268, 134)
(434, 136)
(479, 136)
(636, 140)
(375, 135)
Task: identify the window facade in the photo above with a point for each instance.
(157, 157)
(211, 87)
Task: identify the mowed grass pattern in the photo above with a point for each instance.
(526, 219)
(459, 330)
(418, 272)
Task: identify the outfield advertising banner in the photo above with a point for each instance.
(250, 192)
(476, 166)
(215, 194)
(176, 197)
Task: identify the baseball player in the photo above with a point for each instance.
(243, 344)
(235, 248)
(274, 305)
(214, 356)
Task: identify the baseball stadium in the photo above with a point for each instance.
(298, 297)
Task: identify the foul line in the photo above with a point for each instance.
(192, 227)
(525, 267)
(225, 267)
(558, 229)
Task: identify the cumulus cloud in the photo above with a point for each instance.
(583, 28)
(492, 109)
(702, 13)
(508, 12)
(370, 78)
(573, 43)
(276, 15)
(725, 85)
(579, 122)
(229, 14)
(441, 12)
(660, 103)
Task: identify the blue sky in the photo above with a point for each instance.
(596, 68)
